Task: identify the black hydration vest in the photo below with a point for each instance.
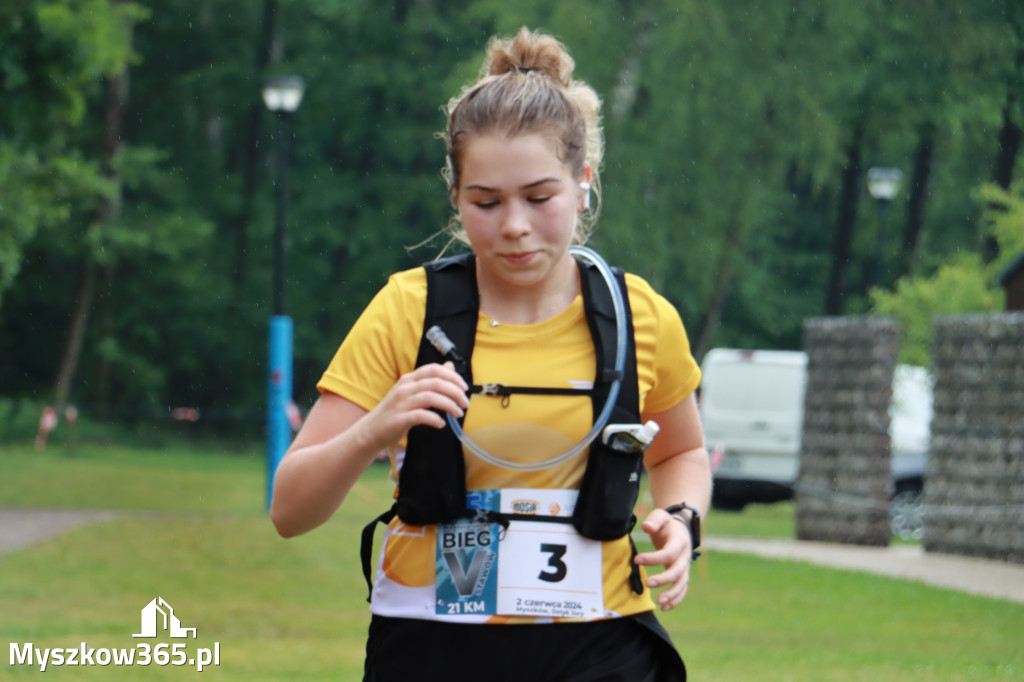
(432, 480)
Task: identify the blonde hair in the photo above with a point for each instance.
(526, 87)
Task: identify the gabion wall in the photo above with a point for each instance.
(844, 484)
(974, 480)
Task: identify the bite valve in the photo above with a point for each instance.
(439, 340)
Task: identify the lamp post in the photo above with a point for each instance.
(282, 95)
(883, 184)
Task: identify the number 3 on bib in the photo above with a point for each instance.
(547, 569)
(555, 562)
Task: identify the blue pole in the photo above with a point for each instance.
(279, 432)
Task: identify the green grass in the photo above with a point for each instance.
(295, 609)
(757, 520)
(112, 477)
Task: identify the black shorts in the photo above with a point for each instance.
(631, 649)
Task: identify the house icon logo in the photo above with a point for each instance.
(151, 621)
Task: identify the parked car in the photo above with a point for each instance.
(751, 405)
(910, 418)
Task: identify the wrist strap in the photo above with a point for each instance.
(693, 524)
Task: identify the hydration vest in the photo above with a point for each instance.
(432, 480)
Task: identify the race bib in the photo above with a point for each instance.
(467, 553)
(532, 568)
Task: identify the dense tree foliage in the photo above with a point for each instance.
(964, 282)
(136, 158)
(53, 56)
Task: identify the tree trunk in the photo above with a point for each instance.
(76, 333)
(918, 196)
(254, 118)
(724, 271)
(851, 179)
(1002, 172)
(1009, 146)
(627, 80)
(1010, 134)
(109, 210)
(104, 371)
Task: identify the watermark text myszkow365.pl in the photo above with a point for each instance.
(157, 615)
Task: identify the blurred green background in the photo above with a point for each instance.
(137, 197)
(137, 180)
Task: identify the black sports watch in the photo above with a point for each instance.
(693, 524)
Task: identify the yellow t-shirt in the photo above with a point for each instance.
(558, 352)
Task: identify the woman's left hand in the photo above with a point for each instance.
(673, 550)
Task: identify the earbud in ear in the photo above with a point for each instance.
(585, 186)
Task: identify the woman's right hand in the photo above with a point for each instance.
(339, 440)
(419, 397)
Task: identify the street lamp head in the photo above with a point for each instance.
(283, 93)
(883, 183)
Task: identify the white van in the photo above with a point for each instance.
(752, 405)
(752, 409)
(910, 416)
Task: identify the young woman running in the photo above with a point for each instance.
(486, 592)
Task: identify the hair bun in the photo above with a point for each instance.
(529, 51)
(526, 87)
